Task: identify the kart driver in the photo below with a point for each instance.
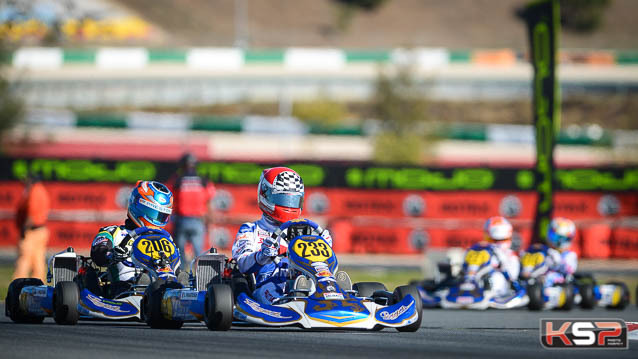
(498, 232)
(150, 205)
(561, 260)
(280, 197)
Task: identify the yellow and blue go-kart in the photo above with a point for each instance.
(80, 290)
(325, 303)
(580, 289)
(225, 299)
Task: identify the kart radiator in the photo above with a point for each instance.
(210, 268)
(64, 269)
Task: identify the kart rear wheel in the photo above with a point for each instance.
(398, 295)
(219, 307)
(587, 296)
(239, 285)
(535, 295)
(152, 305)
(624, 296)
(65, 303)
(366, 289)
(12, 301)
(569, 297)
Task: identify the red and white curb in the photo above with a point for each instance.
(632, 330)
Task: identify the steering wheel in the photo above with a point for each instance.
(297, 227)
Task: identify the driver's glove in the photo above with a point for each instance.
(269, 250)
(119, 254)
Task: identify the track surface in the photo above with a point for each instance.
(450, 333)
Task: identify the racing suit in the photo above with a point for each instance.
(102, 251)
(506, 265)
(562, 266)
(270, 277)
(508, 269)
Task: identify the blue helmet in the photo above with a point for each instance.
(561, 232)
(150, 204)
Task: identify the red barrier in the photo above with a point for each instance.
(596, 241)
(8, 233)
(625, 243)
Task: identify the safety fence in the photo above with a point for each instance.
(181, 122)
(369, 209)
(228, 58)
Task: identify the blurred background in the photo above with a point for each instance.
(410, 121)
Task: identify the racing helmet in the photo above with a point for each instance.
(561, 232)
(280, 194)
(150, 204)
(498, 230)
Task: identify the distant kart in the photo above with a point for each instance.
(580, 290)
(80, 290)
(471, 290)
(322, 303)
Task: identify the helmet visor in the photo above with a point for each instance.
(154, 216)
(558, 240)
(290, 200)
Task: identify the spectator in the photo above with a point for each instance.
(31, 219)
(192, 194)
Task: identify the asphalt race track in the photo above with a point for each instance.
(444, 333)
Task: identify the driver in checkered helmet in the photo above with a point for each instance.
(280, 197)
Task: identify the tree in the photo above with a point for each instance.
(11, 108)
(348, 8)
(582, 16)
(400, 106)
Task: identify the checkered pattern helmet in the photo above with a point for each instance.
(280, 194)
(561, 232)
(498, 230)
(150, 204)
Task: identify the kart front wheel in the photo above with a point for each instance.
(152, 305)
(12, 301)
(366, 289)
(65, 303)
(398, 295)
(219, 307)
(587, 296)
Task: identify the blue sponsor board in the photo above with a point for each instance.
(397, 313)
(109, 308)
(267, 313)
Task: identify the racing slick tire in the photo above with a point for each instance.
(239, 285)
(366, 289)
(152, 305)
(12, 301)
(398, 295)
(569, 297)
(535, 295)
(66, 297)
(219, 307)
(624, 296)
(587, 296)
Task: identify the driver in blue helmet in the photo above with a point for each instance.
(280, 197)
(150, 205)
(562, 261)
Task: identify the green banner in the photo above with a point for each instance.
(543, 26)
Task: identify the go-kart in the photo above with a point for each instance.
(322, 303)
(581, 289)
(80, 290)
(472, 288)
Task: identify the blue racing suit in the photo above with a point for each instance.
(270, 277)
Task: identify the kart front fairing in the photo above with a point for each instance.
(329, 306)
